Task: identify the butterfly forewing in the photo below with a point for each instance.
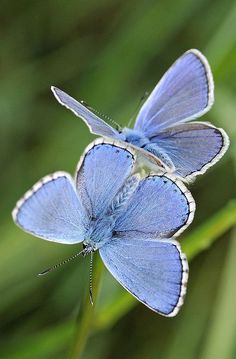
(101, 173)
(95, 123)
(184, 92)
(52, 210)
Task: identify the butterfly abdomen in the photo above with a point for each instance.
(159, 153)
(123, 196)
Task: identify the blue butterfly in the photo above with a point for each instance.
(163, 135)
(132, 221)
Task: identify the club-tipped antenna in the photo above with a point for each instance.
(106, 117)
(91, 279)
(46, 271)
(145, 95)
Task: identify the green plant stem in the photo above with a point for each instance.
(86, 314)
(223, 320)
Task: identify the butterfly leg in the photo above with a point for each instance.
(159, 153)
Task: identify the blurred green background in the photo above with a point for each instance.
(109, 53)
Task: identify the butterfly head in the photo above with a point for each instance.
(134, 137)
(87, 248)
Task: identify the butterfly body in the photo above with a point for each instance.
(99, 232)
(102, 229)
(141, 142)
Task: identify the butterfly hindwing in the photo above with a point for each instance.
(52, 210)
(193, 147)
(161, 206)
(154, 271)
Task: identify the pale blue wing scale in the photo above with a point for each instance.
(154, 271)
(185, 92)
(52, 210)
(192, 147)
(96, 124)
(161, 207)
(101, 174)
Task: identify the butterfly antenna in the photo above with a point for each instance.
(106, 117)
(61, 263)
(91, 279)
(141, 101)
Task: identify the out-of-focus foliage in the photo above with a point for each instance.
(109, 53)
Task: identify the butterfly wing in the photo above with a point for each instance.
(139, 256)
(193, 147)
(52, 210)
(101, 173)
(154, 271)
(185, 92)
(161, 207)
(95, 124)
